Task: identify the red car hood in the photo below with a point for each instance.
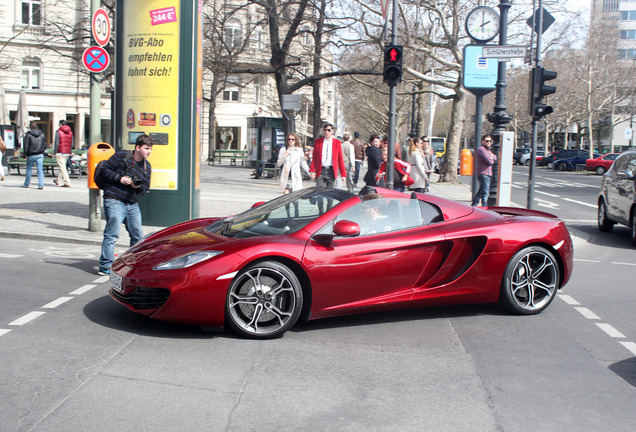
(174, 241)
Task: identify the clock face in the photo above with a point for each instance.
(482, 23)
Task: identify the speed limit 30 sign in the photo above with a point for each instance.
(101, 27)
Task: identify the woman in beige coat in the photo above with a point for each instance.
(291, 159)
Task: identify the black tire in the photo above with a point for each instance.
(562, 166)
(549, 165)
(530, 282)
(604, 223)
(632, 221)
(600, 170)
(264, 301)
(527, 162)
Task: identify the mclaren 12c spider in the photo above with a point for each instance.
(319, 252)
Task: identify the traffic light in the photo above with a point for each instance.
(539, 89)
(392, 64)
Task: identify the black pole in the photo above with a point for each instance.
(477, 141)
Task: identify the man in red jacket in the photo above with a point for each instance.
(63, 149)
(327, 163)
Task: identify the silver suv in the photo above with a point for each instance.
(617, 199)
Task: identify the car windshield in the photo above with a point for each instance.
(283, 215)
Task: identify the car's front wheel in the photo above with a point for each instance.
(600, 170)
(264, 301)
(562, 166)
(530, 281)
(632, 221)
(604, 224)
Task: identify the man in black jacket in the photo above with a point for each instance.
(34, 146)
(127, 176)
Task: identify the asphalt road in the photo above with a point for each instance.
(73, 359)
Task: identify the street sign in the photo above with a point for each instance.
(291, 102)
(628, 133)
(479, 74)
(384, 4)
(503, 51)
(95, 59)
(548, 20)
(101, 27)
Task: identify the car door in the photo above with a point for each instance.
(616, 187)
(378, 267)
(625, 189)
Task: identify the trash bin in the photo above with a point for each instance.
(96, 153)
(466, 162)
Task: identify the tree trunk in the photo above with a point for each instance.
(448, 172)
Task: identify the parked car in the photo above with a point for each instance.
(525, 159)
(569, 164)
(601, 164)
(321, 252)
(617, 199)
(548, 161)
(518, 154)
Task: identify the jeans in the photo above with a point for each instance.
(356, 175)
(116, 213)
(37, 160)
(484, 190)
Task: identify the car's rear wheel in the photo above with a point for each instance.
(604, 224)
(632, 221)
(527, 162)
(600, 170)
(264, 301)
(530, 281)
(549, 165)
(562, 166)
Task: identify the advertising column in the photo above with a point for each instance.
(158, 80)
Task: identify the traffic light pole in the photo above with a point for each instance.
(533, 145)
(390, 167)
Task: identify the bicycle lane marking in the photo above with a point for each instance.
(25, 319)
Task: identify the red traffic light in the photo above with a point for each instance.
(392, 64)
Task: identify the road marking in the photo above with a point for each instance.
(84, 289)
(4, 255)
(26, 318)
(548, 194)
(101, 279)
(611, 331)
(56, 303)
(569, 300)
(631, 346)
(627, 264)
(586, 260)
(587, 313)
(579, 202)
(4, 331)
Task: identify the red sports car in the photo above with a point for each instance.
(601, 164)
(320, 252)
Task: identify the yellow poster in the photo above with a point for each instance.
(151, 84)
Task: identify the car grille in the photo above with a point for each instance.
(144, 298)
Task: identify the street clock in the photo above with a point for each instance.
(482, 24)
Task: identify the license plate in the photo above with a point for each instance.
(115, 281)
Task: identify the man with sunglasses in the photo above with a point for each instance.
(327, 162)
(484, 159)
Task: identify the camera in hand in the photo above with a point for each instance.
(136, 181)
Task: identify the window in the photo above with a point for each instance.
(627, 54)
(258, 39)
(257, 93)
(233, 35)
(628, 34)
(32, 12)
(628, 15)
(231, 95)
(306, 36)
(31, 74)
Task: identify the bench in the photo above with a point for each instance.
(232, 155)
(48, 163)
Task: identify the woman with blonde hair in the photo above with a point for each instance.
(416, 159)
(291, 159)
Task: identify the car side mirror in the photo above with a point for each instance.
(346, 228)
(625, 174)
(258, 204)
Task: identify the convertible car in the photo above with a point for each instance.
(319, 252)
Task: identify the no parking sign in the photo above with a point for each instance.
(95, 59)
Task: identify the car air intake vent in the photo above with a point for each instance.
(144, 298)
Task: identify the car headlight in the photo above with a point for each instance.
(187, 260)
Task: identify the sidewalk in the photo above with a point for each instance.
(61, 214)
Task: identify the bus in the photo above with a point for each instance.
(438, 144)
